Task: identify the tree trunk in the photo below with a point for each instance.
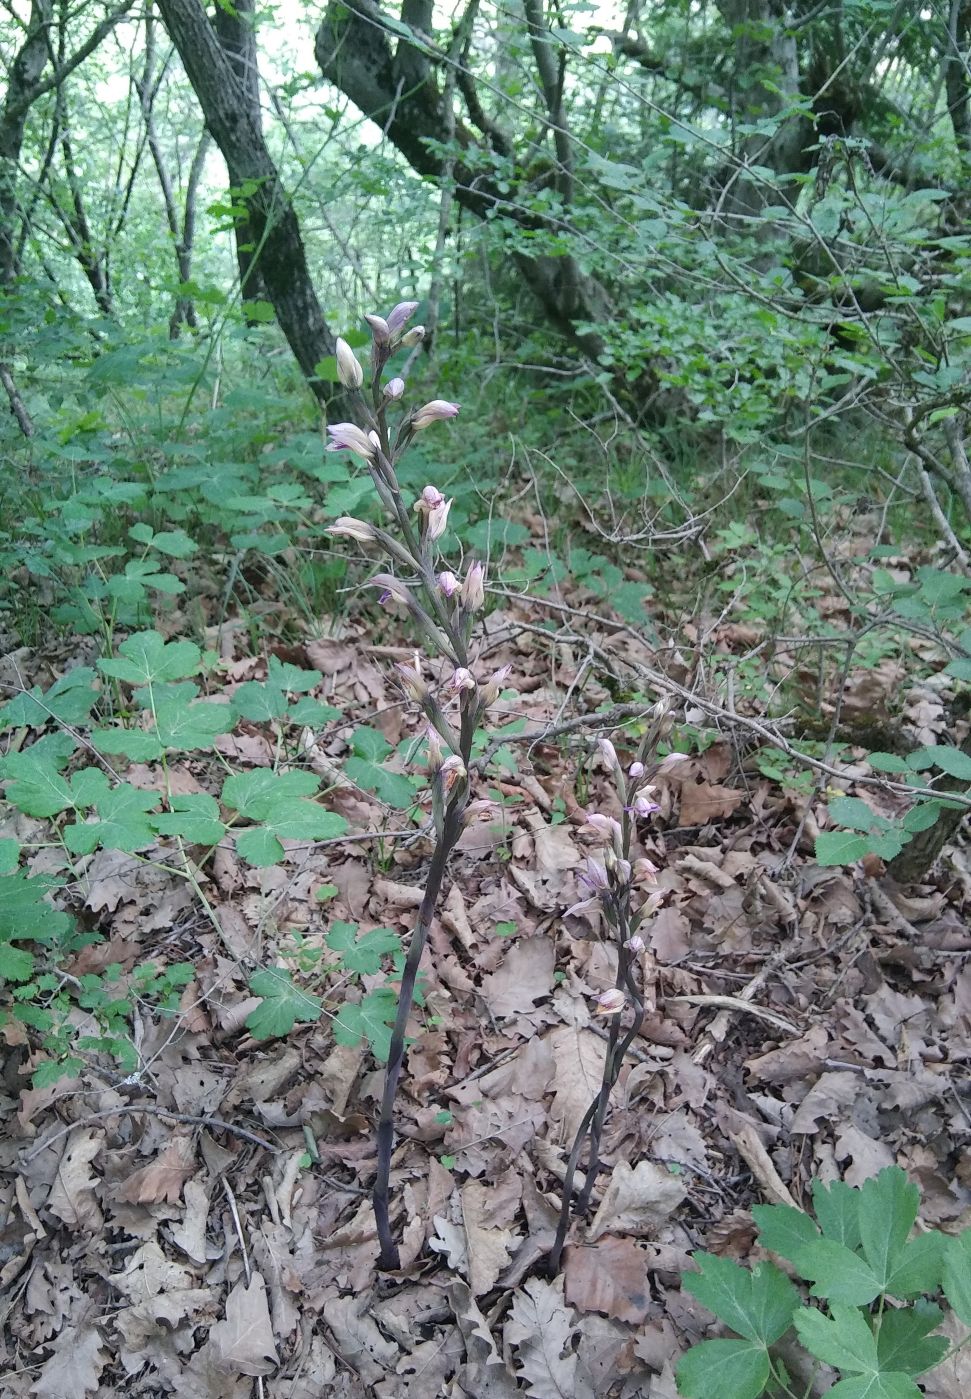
(278, 244)
(399, 90)
(25, 72)
(236, 31)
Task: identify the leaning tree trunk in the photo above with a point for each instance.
(279, 247)
(235, 28)
(399, 90)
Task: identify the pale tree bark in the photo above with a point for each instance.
(394, 78)
(278, 244)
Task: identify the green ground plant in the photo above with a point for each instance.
(869, 1316)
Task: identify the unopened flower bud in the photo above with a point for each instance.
(610, 1002)
(607, 751)
(492, 689)
(400, 315)
(349, 437)
(410, 679)
(645, 871)
(622, 871)
(380, 330)
(413, 337)
(349, 370)
(349, 528)
(434, 412)
(463, 679)
(595, 876)
(448, 583)
(473, 589)
(434, 746)
(635, 771)
(636, 944)
(393, 389)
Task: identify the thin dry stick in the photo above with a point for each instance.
(218, 1124)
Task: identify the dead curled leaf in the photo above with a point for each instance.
(637, 1200)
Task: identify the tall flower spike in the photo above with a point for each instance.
(349, 370)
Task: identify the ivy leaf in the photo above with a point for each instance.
(123, 824)
(837, 1273)
(194, 816)
(283, 1005)
(147, 659)
(738, 1368)
(362, 955)
(784, 1230)
(371, 1020)
(757, 1303)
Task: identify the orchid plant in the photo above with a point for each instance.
(622, 890)
(443, 606)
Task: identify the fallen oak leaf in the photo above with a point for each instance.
(243, 1342)
(74, 1368)
(637, 1200)
(163, 1178)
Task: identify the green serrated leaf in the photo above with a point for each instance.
(259, 701)
(887, 762)
(123, 823)
(15, 964)
(837, 1208)
(194, 816)
(370, 744)
(26, 914)
(843, 1338)
(903, 1342)
(841, 847)
(942, 755)
(312, 712)
(784, 1230)
(395, 788)
(283, 1004)
(837, 1273)
(136, 744)
(722, 1368)
(253, 793)
(757, 1303)
(853, 812)
(290, 677)
(176, 543)
(888, 1208)
(371, 1020)
(9, 855)
(188, 728)
(362, 954)
(147, 659)
(259, 847)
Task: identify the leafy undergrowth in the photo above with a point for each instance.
(186, 1205)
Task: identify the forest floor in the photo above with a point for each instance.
(169, 1231)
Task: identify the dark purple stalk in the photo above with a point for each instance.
(389, 1258)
